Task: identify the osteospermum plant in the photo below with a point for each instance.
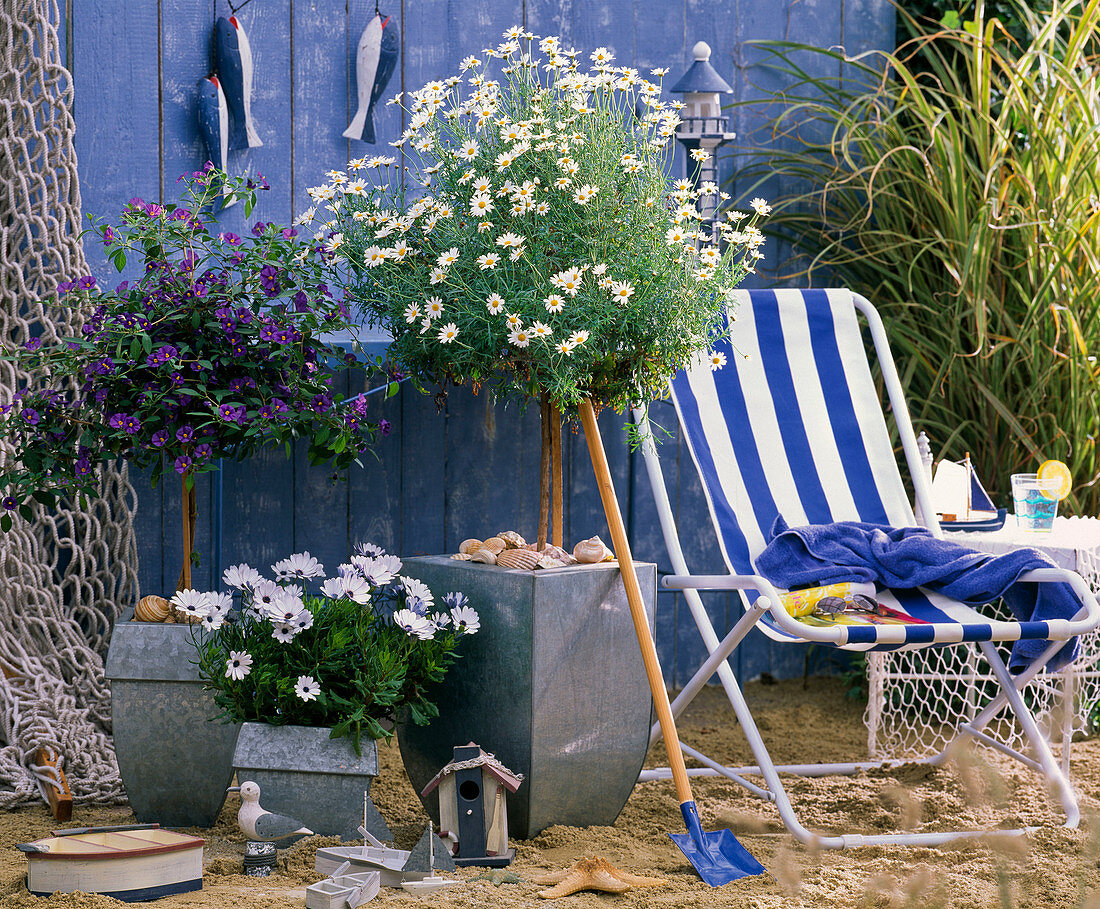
(355, 656)
(534, 238)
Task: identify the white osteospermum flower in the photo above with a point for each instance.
(220, 603)
(264, 594)
(238, 665)
(417, 626)
(495, 303)
(303, 621)
(433, 307)
(241, 576)
(213, 621)
(307, 688)
(760, 207)
(448, 333)
(192, 603)
(283, 632)
(298, 565)
(418, 592)
(379, 569)
(717, 360)
(466, 619)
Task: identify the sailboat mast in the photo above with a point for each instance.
(969, 484)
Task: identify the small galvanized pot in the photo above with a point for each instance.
(304, 774)
(174, 758)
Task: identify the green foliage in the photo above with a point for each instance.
(964, 201)
(551, 252)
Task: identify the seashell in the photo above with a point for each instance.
(591, 551)
(485, 556)
(513, 539)
(495, 545)
(557, 553)
(470, 546)
(523, 559)
(462, 556)
(184, 618)
(152, 609)
(548, 561)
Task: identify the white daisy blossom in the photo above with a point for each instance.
(238, 665)
(284, 632)
(298, 565)
(564, 347)
(509, 240)
(514, 320)
(241, 576)
(433, 307)
(621, 291)
(448, 258)
(519, 337)
(373, 256)
(578, 337)
(412, 313)
(416, 626)
(468, 150)
(488, 261)
(307, 688)
(192, 603)
(541, 331)
(554, 303)
(465, 619)
(495, 303)
(585, 194)
(377, 570)
(760, 207)
(717, 360)
(213, 622)
(448, 333)
(417, 591)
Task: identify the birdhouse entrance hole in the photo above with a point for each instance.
(469, 790)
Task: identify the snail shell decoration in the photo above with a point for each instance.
(469, 547)
(591, 551)
(522, 559)
(494, 545)
(152, 609)
(512, 539)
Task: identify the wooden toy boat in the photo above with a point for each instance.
(130, 863)
(960, 498)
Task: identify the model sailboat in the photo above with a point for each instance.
(960, 499)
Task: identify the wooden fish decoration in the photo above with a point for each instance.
(233, 55)
(374, 64)
(214, 121)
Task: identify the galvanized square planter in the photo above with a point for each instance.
(175, 759)
(553, 684)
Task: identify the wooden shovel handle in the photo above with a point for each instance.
(634, 598)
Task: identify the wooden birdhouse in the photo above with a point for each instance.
(473, 809)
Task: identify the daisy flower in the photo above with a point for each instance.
(416, 626)
(717, 360)
(509, 240)
(482, 185)
(448, 333)
(438, 276)
(621, 291)
(213, 621)
(399, 251)
(585, 194)
(412, 313)
(675, 235)
(513, 320)
(283, 632)
(307, 688)
(539, 330)
(563, 183)
(519, 337)
(448, 258)
(433, 307)
(578, 337)
(601, 56)
(238, 665)
(542, 208)
(555, 303)
(299, 565)
(760, 207)
(303, 621)
(465, 619)
(241, 576)
(373, 256)
(468, 150)
(599, 269)
(488, 261)
(710, 255)
(568, 281)
(495, 303)
(192, 603)
(564, 347)
(481, 204)
(483, 226)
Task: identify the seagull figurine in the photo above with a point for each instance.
(260, 825)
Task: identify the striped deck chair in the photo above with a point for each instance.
(796, 428)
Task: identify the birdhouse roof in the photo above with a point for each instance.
(488, 764)
(702, 77)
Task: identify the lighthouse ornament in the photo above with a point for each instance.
(374, 64)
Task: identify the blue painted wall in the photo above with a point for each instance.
(471, 469)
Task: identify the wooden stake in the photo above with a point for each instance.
(544, 471)
(61, 801)
(555, 465)
(634, 598)
(188, 508)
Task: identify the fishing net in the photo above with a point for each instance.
(64, 575)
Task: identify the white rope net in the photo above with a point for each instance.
(64, 576)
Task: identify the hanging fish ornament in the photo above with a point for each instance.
(214, 122)
(374, 63)
(233, 55)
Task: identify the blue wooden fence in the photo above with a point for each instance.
(471, 469)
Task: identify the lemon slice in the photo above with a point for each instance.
(1055, 471)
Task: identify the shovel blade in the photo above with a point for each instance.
(718, 857)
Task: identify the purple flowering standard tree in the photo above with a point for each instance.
(216, 351)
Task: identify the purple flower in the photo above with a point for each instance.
(301, 302)
(278, 406)
(384, 427)
(160, 438)
(162, 354)
(30, 415)
(86, 283)
(185, 434)
(284, 336)
(258, 228)
(244, 315)
(238, 349)
(322, 403)
(289, 233)
(182, 464)
(131, 425)
(231, 238)
(10, 503)
(202, 452)
(33, 344)
(83, 467)
(153, 210)
(267, 331)
(232, 414)
(177, 379)
(64, 287)
(266, 413)
(118, 420)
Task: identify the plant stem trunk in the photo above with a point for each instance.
(190, 510)
(544, 470)
(555, 465)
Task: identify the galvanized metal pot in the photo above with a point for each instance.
(552, 684)
(175, 759)
(304, 774)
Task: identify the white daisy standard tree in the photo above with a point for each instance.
(536, 245)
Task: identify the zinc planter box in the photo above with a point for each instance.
(175, 759)
(552, 684)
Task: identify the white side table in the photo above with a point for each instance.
(914, 694)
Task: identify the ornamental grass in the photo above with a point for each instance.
(956, 183)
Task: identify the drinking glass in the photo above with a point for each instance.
(1034, 502)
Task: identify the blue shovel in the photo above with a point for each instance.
(718, 857)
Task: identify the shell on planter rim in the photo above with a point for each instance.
(557, 553)
(591, 551)
(463, 557)
(494, 545)
(152, 609)
(522, 559)
(548, 561)
(512, 539)
(484, 556)
(468, 547)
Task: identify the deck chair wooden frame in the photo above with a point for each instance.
(794, 322)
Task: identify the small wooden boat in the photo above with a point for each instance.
(130, 863)
(960, 498)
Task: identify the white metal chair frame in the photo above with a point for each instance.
(773, 790)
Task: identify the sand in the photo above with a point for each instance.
(1052, 869)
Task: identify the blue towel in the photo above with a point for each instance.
(908, 557)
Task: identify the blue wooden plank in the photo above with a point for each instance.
(116, 110)
(551, 17)
(148, 530)
(374, 490)
(186, 30)
(423, 487)
(258, 514)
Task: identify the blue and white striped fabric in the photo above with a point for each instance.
(793, 425)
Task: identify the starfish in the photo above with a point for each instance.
(593, 874)
(498, 876)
